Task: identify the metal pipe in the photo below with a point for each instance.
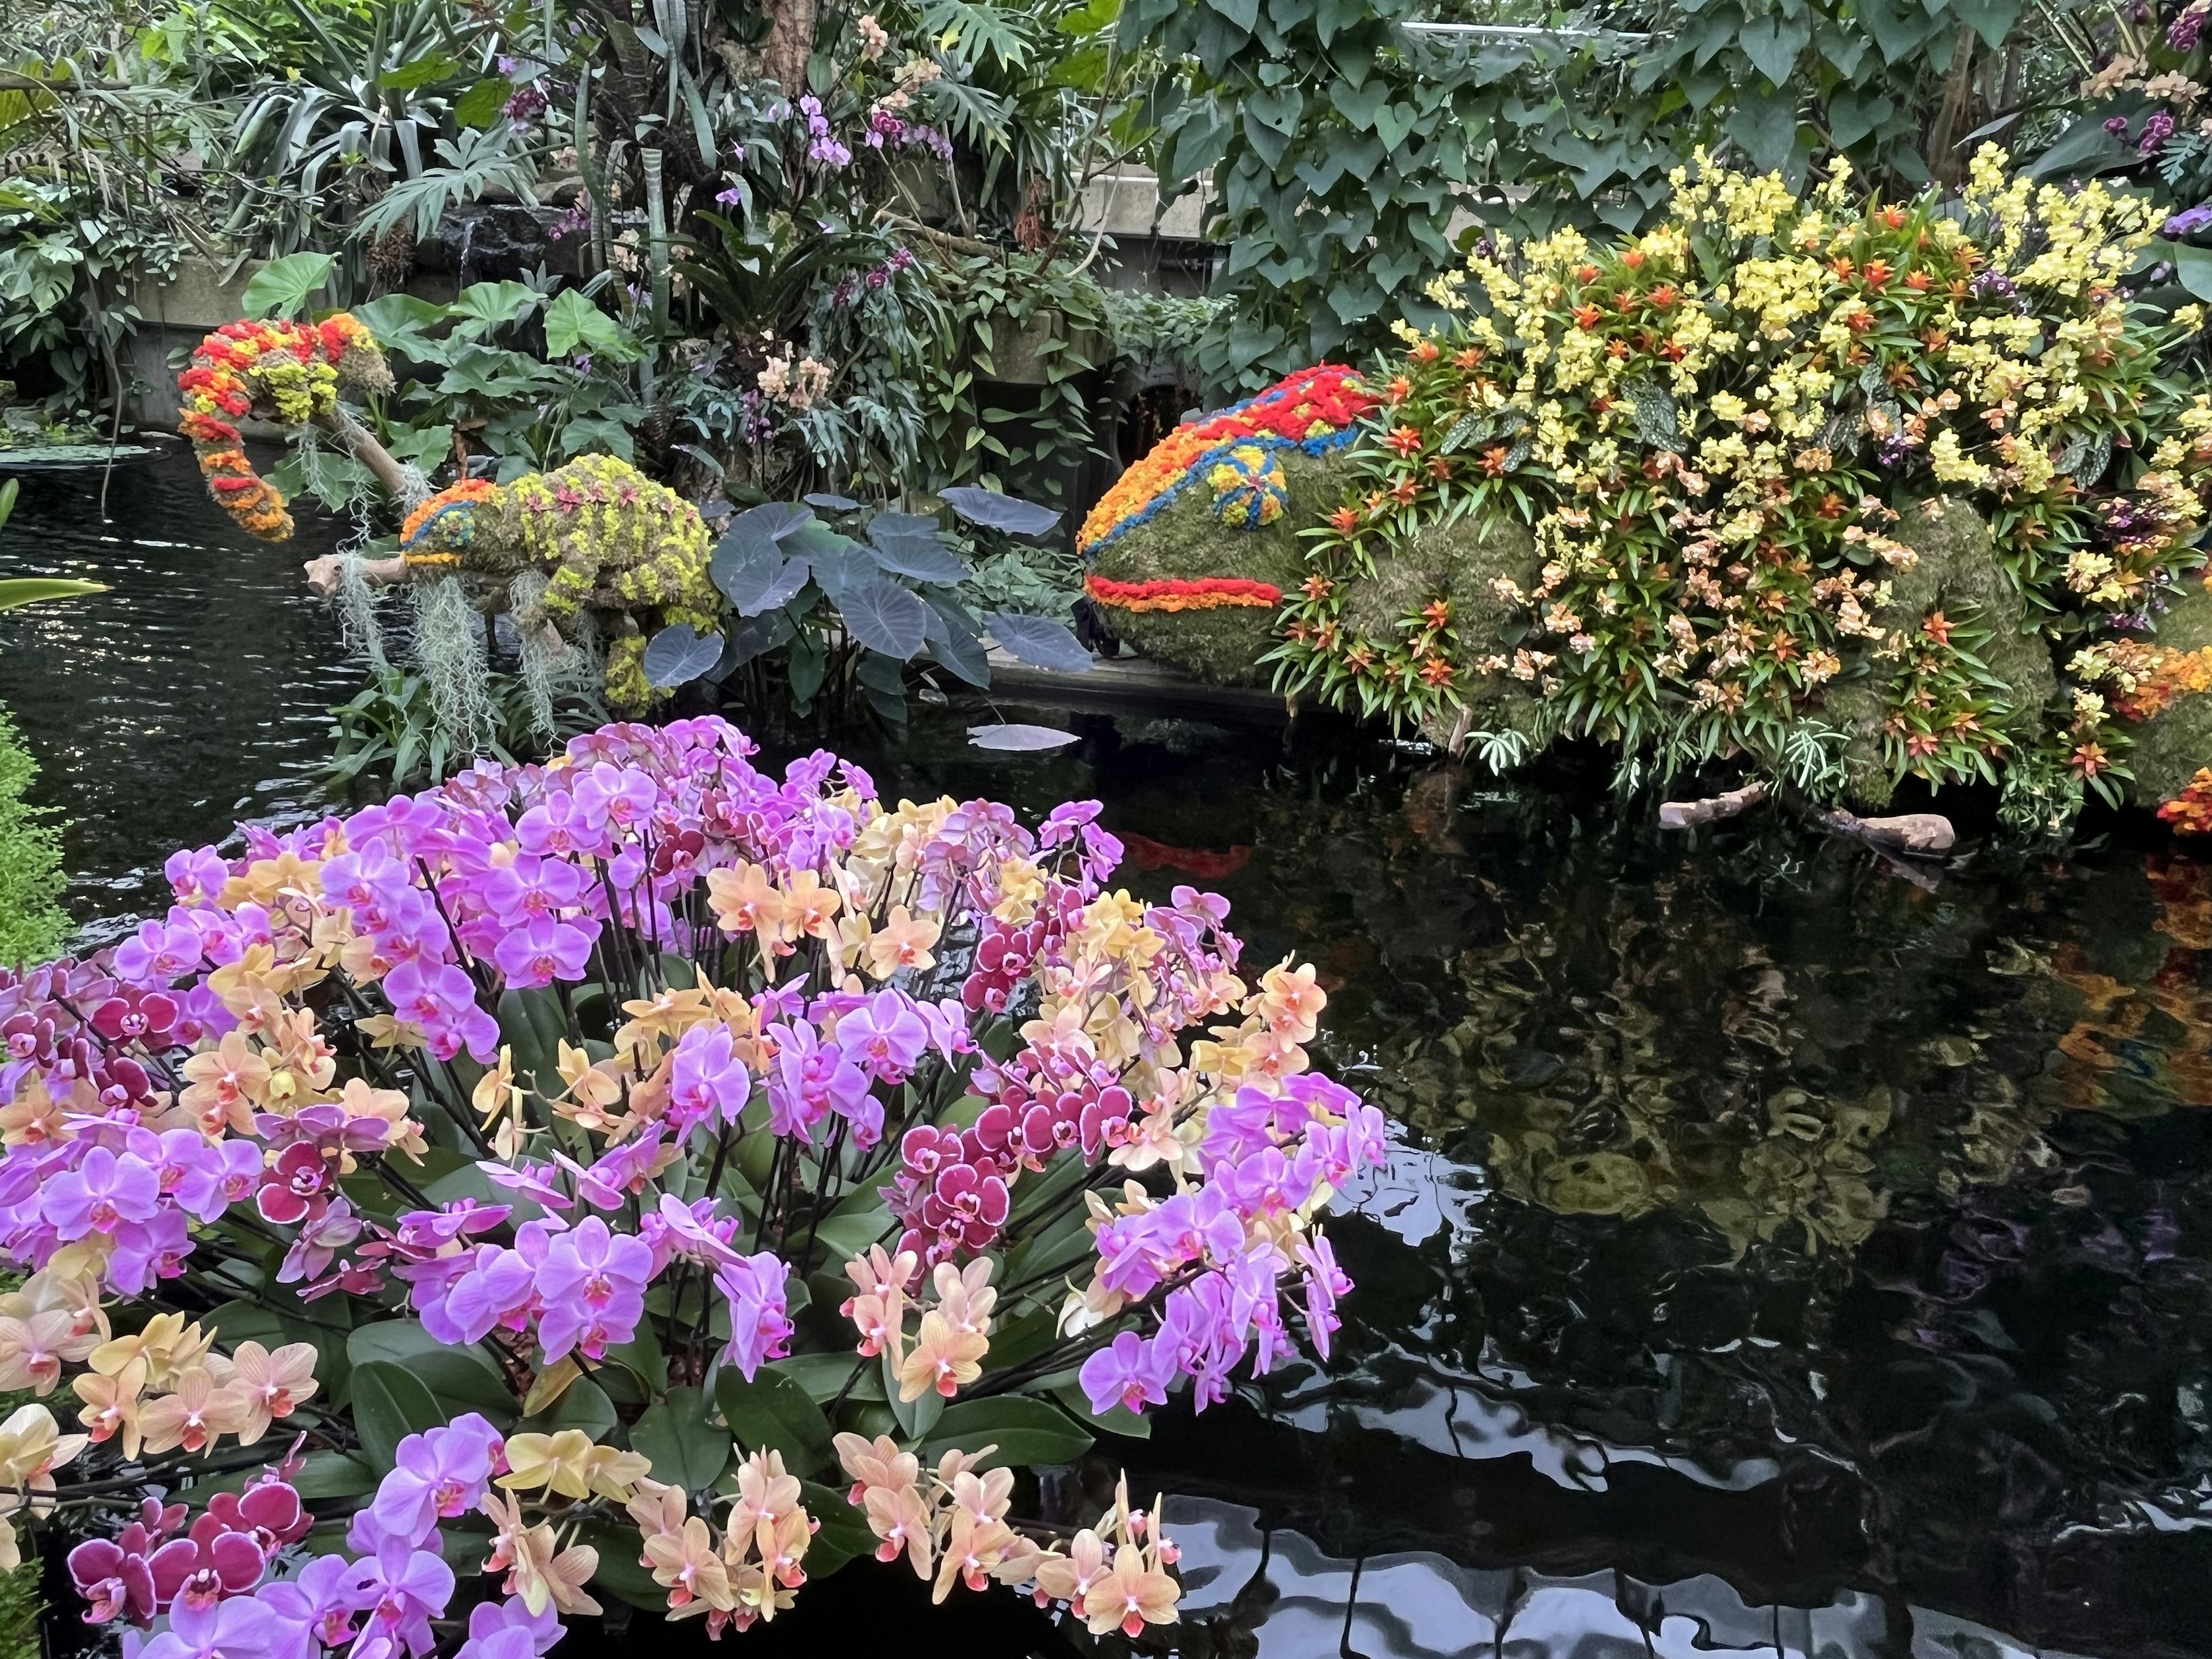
(1518, 32)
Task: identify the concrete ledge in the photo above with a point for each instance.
(1128, 203)
(1138, 685)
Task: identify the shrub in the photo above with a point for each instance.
(33, 924)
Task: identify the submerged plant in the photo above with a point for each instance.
(589, 1158)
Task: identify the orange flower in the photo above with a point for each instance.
(1917, 280)
(1401, 388)
(1406, 440)
(1345, 521)
(1426, 352)
(1663, 295)
(1938, 628)
(1404, 491)
(1436, 613)
(2090, 759)
(1586, 316)
(1435, 669)
(1877, 274)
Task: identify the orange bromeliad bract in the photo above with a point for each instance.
(286, 370)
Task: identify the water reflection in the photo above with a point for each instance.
(1764, 1219)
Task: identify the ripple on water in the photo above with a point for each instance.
(194, 692)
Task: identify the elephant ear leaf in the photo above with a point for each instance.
(885, 617)
(994, 511)
(678, 654)
(1039, 641)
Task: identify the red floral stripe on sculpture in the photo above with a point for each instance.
(1169, 593)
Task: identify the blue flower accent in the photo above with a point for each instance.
(1255, 483)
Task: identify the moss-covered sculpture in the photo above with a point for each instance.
(1830, 484)
(593, 539)
(1191, 551)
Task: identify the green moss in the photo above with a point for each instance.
(2187, 624)
(32, 923)
(2172, 744)
(1957, 573)
(1185, 542)
(1462, 562)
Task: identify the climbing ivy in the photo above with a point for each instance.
(1352, 159)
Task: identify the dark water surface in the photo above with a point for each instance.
(1779, 1255)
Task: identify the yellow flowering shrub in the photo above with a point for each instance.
(1729, 434)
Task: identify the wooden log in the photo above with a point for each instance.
(1922, 835)
(362, 445)
(1689, 814)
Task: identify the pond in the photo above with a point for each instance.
(1779, 1253)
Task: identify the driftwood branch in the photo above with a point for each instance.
(323, 573)
(1922, 835)
(359, 442)
(1689, 814)
(1914, 834)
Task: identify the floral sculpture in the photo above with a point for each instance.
(286, 373)
(1839, 485)
(572, 1166)
(1156, 541)
(595, 535)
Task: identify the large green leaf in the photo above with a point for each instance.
(619, 1572)
(281, 288)
(16, 591)
(573, 324)
(843, 1533)
(773, 1412)
(582, 1405)
(2192, 265)
(461, 1379)
(917, 1417)
(390, 1402)
(1026, 1430)
(480, 106)
(686, 1450)
(1772, 45)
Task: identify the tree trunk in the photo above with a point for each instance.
(790, 43)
